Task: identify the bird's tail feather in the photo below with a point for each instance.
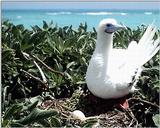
(147, 47)
(140, 53)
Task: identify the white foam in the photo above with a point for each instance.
(51, 13)
(148, 13)
(97, 13)
(123, 14)
(58, 13)
(19, 17)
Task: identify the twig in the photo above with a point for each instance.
(95, 117)
(131, 115)
(54, 71)
(27, 56)
(34, 77)
(144, 101)
(41, 72)
(131, 123)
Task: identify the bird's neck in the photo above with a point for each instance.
(104, 44)
(104, 48)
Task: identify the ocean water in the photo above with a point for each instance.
(130, 18)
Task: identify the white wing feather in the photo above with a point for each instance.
(139, 54)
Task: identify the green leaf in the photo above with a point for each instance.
(156, 119)
(36, 115)
(12, 124)
(37, 98)
(81, 82)
(15, 108)
(89, 123)
(81, 37)
(70, 64)
(55, 122)
(156, 84)
(37, 37)
(44, 122)
(36, 28)
(45, 25)
(15, 31)
(33, 105)
(7, 54)
(20, 27)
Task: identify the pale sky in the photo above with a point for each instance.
(81, 5)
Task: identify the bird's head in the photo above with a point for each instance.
(109, 26)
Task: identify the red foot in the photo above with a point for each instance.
(124, 104)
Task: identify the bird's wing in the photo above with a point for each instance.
(117, 62)
(132, 53)
(139, 53)
(121, 57)
(149, 44)
(147, 47)
(122, 67)
(118, 58)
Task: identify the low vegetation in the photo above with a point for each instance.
(43, 79)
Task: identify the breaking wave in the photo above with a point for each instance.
(148, 13)
(87, 13)
(97, 13)
(19, 17)
(103, 13)
(59, 13)
(123, 14)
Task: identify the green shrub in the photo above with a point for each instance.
(66, 51)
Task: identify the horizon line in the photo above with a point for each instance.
(78, 9)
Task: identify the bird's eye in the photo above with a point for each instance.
(109, 25)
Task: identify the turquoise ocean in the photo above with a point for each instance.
(130, 18)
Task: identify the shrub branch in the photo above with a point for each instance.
(34, 77)
(46, 66)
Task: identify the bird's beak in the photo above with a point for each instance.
(114, 28)
(118, 27)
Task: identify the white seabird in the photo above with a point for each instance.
(113, 73)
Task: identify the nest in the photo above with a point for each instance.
(104, 113)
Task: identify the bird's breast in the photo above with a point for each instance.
(105, 82)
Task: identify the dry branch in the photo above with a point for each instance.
(34, 77)
(49, 68)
